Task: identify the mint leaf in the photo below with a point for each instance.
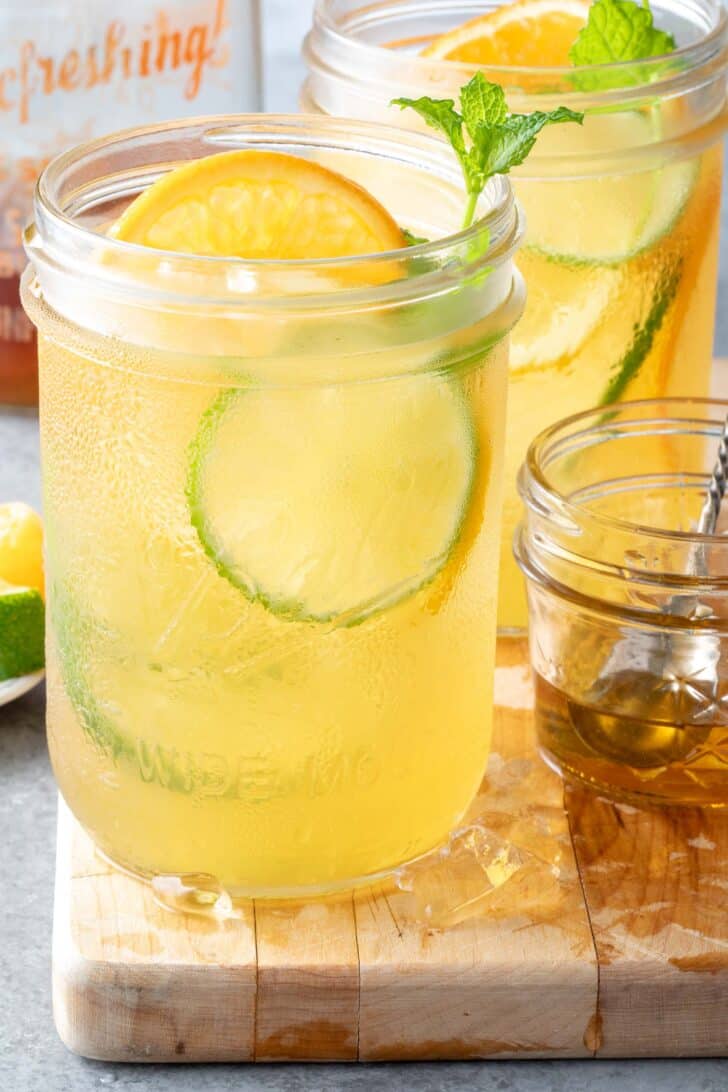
(411, 239)
(617, 31)
(504, 146)
(482, 103)
(497, 140)
(439, 114)
(643, 338)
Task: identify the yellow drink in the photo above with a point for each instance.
(622, 215)
(272, 571)
(605, 328)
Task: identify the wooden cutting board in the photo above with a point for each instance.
(609, 939)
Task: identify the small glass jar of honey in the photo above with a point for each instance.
(628, 604)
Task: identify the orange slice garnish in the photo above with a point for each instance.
(259, 204)
(528, 33)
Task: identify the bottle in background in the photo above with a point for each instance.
(71, 70)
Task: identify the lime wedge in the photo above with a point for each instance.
(607, 219)
(22, 631)
(636, 352)
(332, 503)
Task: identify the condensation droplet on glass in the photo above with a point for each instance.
(194, 893)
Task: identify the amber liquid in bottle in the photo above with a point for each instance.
(18, 359)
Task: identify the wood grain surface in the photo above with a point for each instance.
(560, 925)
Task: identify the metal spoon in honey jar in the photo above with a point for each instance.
(666, 699)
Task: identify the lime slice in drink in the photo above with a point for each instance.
(565, 306)
(332, 503)
(22, 630)
(609, 218)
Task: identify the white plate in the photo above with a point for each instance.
(15, 688)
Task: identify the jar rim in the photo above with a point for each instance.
(661, 76)
(536, 488)
(58, 238)
(600, 605)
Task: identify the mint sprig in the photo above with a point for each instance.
(617, 32)
(486, 139)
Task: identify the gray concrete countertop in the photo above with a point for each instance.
(31, 1056)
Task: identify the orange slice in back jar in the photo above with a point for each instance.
(528, 33)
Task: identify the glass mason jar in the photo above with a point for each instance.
(628, 605)
(622, 214)
(73, 69)
(272, 495)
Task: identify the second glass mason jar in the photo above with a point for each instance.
(628, 604)
(620, 256)
(213, 432)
